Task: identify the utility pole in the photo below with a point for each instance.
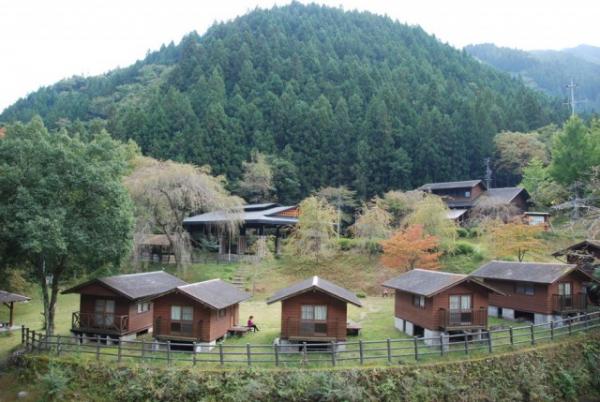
(572, 102)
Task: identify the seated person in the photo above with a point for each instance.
(251, 324)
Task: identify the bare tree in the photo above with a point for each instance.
(166, 192)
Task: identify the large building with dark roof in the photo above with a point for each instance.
(255, 221)
(536, 291)
(435, 304)
(119, 306)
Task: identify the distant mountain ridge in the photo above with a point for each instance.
(333, 97)
(549, 70)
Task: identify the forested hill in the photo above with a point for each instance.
(334, 97)
(550, 70)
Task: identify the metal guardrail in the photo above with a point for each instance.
(304, 354)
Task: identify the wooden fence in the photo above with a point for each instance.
(359, 352)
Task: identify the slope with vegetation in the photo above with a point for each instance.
(382, 105)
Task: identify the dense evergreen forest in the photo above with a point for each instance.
(550, 70)
(332, 97)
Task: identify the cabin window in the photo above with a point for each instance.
(564, 289)
(222, 313)
(523, 288)
(467, 194)
(460, 302)
(316, 313)
(143, 307)
(536, 220)
(419, 301)
(104, 312)
(181, 319)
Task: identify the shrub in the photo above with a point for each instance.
(464, 248)
(462, 232)
(345, 244)
(54, 383)
(361, 295)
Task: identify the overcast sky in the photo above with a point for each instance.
(42, 41)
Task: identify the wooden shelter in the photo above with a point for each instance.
(314, 310)
(539, 292)
(119, 306)
(9, 300)
(156, 248)
(198, 312)
(433, 304)
(585, 254)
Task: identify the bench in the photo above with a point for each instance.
(239, 330)
(353, 329)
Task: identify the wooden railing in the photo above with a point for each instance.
(569, 303)
(304, 354)
(105, 322)
(463, 319)
(313, 329)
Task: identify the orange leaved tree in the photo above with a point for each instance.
(411, 248)
(513, 239)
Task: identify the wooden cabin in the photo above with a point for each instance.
(9, 300)
(432, 303)
(314, 310)
(585, 254)
(198, 312)
(156, 248)
(535, 291)
(119, 306)
(255, 221)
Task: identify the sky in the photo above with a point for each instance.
(42, 42)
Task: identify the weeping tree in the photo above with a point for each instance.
(167, 192)
(344, 202)
(371, 225)
(313, 234)
(432, 214)
(256, 184)
(63, 206)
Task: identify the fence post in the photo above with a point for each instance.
(58, 345)
(333, 353)
(27, 338)
(570, 326)
(532, 334)
(466, 344)
(248, 353)
(416, 344)
(276, 346)
(119, 352)
(97, 347)
(510, 332)
(22, 334)
(490, 346)
(304, 353)
(169, 352)
(551, 330)
(361, 351)
(585, 321)
(389, 350)
(32, 341)
(195, 346)
(441, 345)
(221, 355)
(143, 348)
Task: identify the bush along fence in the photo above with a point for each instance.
(390, 351)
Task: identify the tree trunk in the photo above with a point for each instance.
(49, 296)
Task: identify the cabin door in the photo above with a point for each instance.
(565, 292)
(460, 309)
(104, 312)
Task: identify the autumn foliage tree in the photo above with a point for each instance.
(411, 248)
(313, 235)
(513, 239)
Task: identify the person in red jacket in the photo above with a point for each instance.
(251, 324)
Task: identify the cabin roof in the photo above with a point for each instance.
(595, 244)
(315, 283)
(503, 195)
(536, 213)
(429, 283)
(451, 185)
(135, 286)
(8, 297)
(455, 213)
(215, 293)
(535, 272)
(253, 213)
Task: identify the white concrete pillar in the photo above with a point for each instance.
(409, 328)
(492, 311)
(508, 313)
(399, 324)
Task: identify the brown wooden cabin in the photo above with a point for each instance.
(9, 300)
(538, 292)
(119, 306)
(314, 310)
(198, 312)
(156, 248)
(585, 254)
(533, 218)
(431, 303)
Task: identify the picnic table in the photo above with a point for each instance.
(352, 328)
(239, 330)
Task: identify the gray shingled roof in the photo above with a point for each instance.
(535, 272)
(429, 283)
(451, 185)
(502, 195)
(214, 293)
(252, 213)
(315, 283)
(136, 286)
(7, 297)
(578, 246)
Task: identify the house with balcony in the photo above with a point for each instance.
(536, 291)
(435, 304)
(118, 307)
(314, 310)
(201, 312)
